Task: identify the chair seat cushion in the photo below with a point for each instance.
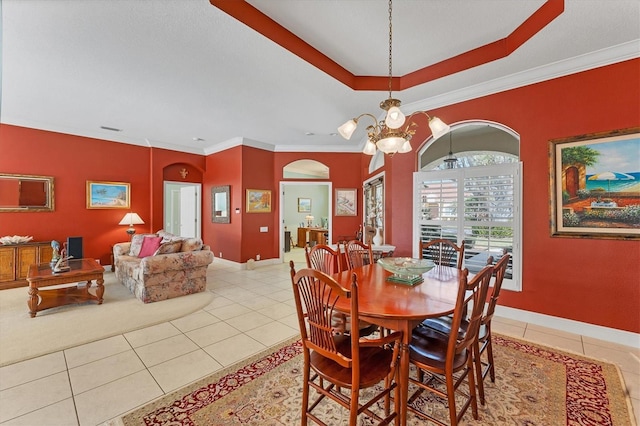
(443, 325)
(375, 364)
(429, 348)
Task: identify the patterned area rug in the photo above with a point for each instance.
(535, 385)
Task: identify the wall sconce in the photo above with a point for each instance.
(131, 219)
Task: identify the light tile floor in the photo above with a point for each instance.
(252, 310)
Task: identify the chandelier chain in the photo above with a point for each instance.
(390, 48)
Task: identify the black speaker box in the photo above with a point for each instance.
(74, 247)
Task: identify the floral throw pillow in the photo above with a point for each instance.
(169, 247)
(136, 243)
(191, 244)
(167, 236)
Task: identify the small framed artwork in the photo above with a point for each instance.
(108, 195)
(258, 201)
(346, 204)
(595, 185)
(304, 205)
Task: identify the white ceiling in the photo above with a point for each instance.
(168, 71)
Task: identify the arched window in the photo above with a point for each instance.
(478, 200)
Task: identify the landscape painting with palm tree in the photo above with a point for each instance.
(597, 184)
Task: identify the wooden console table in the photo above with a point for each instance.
(82, 272)
(311, 234)
(15, 260)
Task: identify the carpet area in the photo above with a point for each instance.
(55, 329)
(535, 385)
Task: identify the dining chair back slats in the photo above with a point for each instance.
(335, 361)
(323, 258)
(357, 254)
(442, 252)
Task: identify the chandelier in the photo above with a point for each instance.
(389, 135)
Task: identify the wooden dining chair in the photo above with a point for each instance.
(443, 325)
(442, 252)
(441, 355)
(333, 362)
(484, 333)
(357, 254)
(323, 258)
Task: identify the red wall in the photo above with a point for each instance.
(589, 280)
(72, 161)
(224, 168)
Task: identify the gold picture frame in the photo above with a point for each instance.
(108, 195)
(304, 205)
(258, 201)
(595, 185)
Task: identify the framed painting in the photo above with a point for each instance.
(304, 205)
(108, 195)
(595, 185)
(258, 201)
(346, 204)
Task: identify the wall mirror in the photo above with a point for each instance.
(220, 204)
(26, 193)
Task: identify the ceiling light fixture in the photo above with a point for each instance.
(450, 161)
(113, 129)
(388, 136)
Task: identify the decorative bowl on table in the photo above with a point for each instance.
(16, 239)
(406, 270)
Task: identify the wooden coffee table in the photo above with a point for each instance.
(82, 272)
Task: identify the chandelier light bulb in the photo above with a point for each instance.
(438, 127)
(395, 118)
(406, 147)
(390, 145)
(347, 129)
(369, 148)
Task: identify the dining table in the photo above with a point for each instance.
(400, 307)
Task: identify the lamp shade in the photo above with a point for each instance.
(390, 145)
(347, 129)
(395, 118)
(370, 148)
(438, 127)
(131, 219)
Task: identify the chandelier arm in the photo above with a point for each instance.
(419, 112)
(375, 120)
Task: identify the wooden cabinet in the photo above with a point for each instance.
(15, 260)
(307, 235)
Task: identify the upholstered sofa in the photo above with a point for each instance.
(161, 266)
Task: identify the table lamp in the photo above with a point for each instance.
(131, 219)
(309, 220)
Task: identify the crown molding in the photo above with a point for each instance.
(592, 60)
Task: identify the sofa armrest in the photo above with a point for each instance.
(176, 261)
(121, 249)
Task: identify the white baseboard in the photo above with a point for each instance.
(613, 335)
(243, 266)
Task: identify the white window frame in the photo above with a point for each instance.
(515, 282)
